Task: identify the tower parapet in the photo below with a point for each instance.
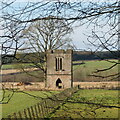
(60, 51)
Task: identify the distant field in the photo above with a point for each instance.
(7, 66)
(80, 72)
(16, 65)
(89, 63)
(34, 76)
(77, 108)
(20, 100)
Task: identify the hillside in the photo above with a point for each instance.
(77, 55)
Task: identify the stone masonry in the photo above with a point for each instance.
(59, 69)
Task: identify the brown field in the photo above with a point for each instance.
(17, 70)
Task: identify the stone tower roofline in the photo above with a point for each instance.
(69, 51)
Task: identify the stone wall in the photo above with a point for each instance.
(84, 85)
(98, 85)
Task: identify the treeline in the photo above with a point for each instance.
(24, 58)
(77, 55)
(87, 55)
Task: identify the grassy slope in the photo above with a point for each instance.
(15, 66)
(19, 101)
(79, 110)
(95, 64)
(91, 63)
(81, 72)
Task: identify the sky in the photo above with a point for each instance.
(56, 0)
(78, 36)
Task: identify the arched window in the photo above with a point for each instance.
(59, 83)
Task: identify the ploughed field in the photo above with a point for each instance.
(85, 103)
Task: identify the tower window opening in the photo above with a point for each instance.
(58, 62)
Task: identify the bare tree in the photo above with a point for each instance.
(105, 36)
(97, 14)
(42, 36)
(85, 12)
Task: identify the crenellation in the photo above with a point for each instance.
(61, 51)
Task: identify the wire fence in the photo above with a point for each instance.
(44, 108)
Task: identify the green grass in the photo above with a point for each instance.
(81, 72)
(92, 63)
(20, 101)
(75, 108)
(7, 66)
(16, 65)
(97, 96)
(96, 64)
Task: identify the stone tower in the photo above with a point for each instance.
(59, 69)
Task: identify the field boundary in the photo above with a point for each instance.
(98, 85)
(82, 85)
(45, 107)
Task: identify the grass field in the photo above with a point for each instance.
(20, 101)
(80, 72)
(76, 106)
(16, 65)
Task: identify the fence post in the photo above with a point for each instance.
(25, 113)
(39, 110)
(15, 117)
(33, 115)
(42, 110)
(29, 113)
(20, 115)
(36, 111)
